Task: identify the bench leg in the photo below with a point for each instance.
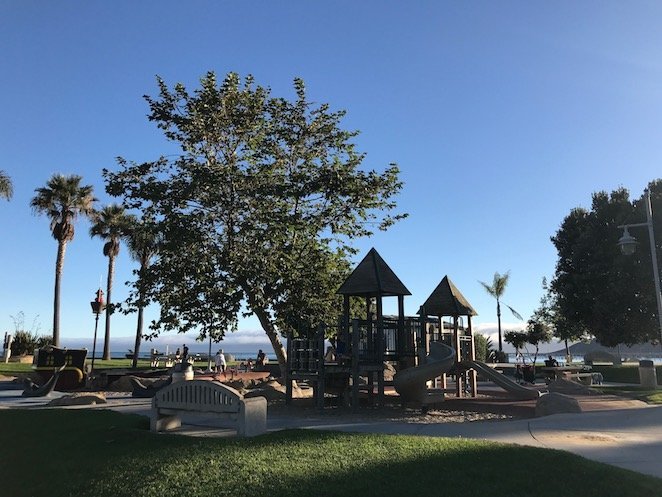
(160, 422)
(252, 417)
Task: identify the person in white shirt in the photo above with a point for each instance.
(220, 362)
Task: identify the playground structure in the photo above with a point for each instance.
(422, 348)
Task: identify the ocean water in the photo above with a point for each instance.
(238, 356)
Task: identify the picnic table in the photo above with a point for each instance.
(558, 372)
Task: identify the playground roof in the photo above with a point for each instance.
(372, 278)
(447, 300)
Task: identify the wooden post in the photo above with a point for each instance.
(355, 364)
(444, 377)
(458, 358)
(288, 371)
(370, 339)
(473, 379)
(380, 349)
(424, 341)
(344, 333)
(321, 378)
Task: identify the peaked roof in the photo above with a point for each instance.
(373, 277)
(447, 300)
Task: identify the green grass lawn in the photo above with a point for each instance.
(634, 392)
(13, 368)
(103, 453)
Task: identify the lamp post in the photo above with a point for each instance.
(628, 245)
(97, 308)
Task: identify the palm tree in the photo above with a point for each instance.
(62, 200)
(142, 242)
(496, 290)
(110, 224)
(6, 187)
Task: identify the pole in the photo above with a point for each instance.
(656, 273)
(94, 344)
(209, 355)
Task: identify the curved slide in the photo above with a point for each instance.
(503, 381)
(410, 383)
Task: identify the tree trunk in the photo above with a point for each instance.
(139, 336)
(59, 265)
(109, 310)
(272, 333)
(499, 325)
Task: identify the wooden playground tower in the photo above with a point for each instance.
(363, 346)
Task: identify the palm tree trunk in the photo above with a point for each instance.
(109, 307)
(59, 265)
(499, 325)
(139, 336)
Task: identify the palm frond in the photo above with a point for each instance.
(515, 313)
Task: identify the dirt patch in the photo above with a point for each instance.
(452, 410)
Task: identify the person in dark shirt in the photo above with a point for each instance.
(261, 356)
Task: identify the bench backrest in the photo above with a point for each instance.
(198, 395)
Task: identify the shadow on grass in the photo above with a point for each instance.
(98, 453)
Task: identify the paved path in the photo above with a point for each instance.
(628, 438)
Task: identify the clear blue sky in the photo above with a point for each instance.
(502, 116)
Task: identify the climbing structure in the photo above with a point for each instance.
(447, 301)
(364, 346)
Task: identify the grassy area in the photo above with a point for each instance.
(634, 392)
(12, 368)
(99, 453)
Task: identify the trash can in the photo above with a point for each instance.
(647, 377)
(182, 371)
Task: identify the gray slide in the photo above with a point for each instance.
(410, 383)
(518, 391)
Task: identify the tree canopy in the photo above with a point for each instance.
(6, 186)
(597, 289)
(258, 210)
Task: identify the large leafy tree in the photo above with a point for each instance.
(6, 186)
(142, 241)
(549, 314)
(110, 224)
(63, 199)
(598, 290)
(258, 209)
(496, 289)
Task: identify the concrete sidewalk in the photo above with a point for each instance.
(628, 438)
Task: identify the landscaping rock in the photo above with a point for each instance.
(80, 399)
(556, 403)
(273, 390)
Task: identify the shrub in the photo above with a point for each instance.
(24, 342)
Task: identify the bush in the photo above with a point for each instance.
(25, 342)
(624, 374)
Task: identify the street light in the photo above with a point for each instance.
(97, 308)
(628, 245)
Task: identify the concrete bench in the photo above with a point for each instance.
(583, 378)
(247, 416)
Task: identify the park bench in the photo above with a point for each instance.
(583, 378)
(247, 415)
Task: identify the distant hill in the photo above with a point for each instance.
(640, 350)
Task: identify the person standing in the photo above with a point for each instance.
(219, 360)
(261, 357)
(184, 353)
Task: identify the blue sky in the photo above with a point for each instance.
(502, 116)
